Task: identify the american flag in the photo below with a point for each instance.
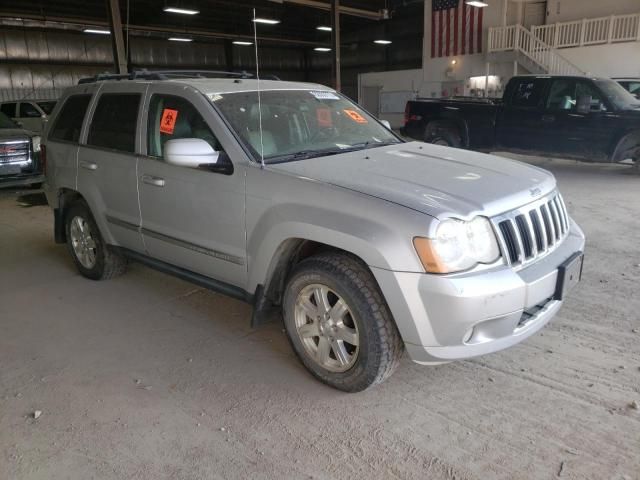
(455, 29)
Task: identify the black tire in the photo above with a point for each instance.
(379, 347)
(108, 262)
(628, 148)
(447, 138)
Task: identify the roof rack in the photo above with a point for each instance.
(166, 75)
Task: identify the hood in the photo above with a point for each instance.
(14, 134)
(431, 179)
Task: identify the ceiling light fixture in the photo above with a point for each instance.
(322, 49)
(476, 3)
(183, 11)
(180, 39)
(324, 28)
(268, 21)
(97, 30)
(382, 42)
(241, 42)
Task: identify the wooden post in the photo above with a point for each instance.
(583, 31)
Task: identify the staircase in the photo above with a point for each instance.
(515, 42)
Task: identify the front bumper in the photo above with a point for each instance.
(453, 317)
(21, 180)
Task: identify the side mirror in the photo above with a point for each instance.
(583, 104)
(189, 152)
(386, 124)
(196, 153)
(19, 124)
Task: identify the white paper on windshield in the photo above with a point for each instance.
(325, 95)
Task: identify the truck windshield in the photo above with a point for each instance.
(298, 124)
(617, 95)
(6, 122)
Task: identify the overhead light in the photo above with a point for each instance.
(240, 42)
(97, 30)
(268, 21)
(183, 11)
(476, 3)
(382, 42)
(454, 61)
(322, 49)
(180, 39)
(324, 28)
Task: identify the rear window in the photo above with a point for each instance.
(114, 122)
(27, 110)
(68, 124)
(527, 92)
(9, 109)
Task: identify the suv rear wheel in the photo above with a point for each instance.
(93, 258)
(339, 324)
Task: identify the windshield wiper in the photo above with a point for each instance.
(370, 144)
(304, 154)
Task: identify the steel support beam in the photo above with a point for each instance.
(117, 37)
(335, 43)
(354, 12)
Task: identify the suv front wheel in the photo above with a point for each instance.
(339, 324)
(93, 258)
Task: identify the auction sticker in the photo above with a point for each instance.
(323, 115)
(168, 121)
(325, 95)
(355, 116)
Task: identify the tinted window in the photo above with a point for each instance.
(174, 117)
(527, 92)
(114, 122)
(9, 109)
(47, 107)
(28, 110)
(68, 123)
(564, 94)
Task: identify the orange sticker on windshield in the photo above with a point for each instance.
(323, 115)
(355, 116)
(168, 121)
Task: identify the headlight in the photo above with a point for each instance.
(35, 141)
(458, 246)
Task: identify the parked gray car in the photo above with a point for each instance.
(293, 198)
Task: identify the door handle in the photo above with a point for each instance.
(548, 118)
(88, 165)
(151, 180)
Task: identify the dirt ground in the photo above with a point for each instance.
(148, 377)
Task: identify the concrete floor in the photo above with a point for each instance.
(149, 377)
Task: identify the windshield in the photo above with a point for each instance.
(617, 95)
(6, 122)
(47, 107)
(299, 124)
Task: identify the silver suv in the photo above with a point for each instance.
(291, 197)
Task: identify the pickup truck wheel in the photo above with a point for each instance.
(93, 258)
(446, 138)
(339, 324)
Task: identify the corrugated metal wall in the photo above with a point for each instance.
(40, 64)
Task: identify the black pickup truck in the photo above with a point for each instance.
(583, 118)
(20, 156)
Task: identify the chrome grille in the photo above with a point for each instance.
(14, 152)
(530, 232)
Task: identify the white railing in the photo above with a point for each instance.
(519, 39)
(592, 31)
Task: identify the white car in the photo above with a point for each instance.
(29, 114)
